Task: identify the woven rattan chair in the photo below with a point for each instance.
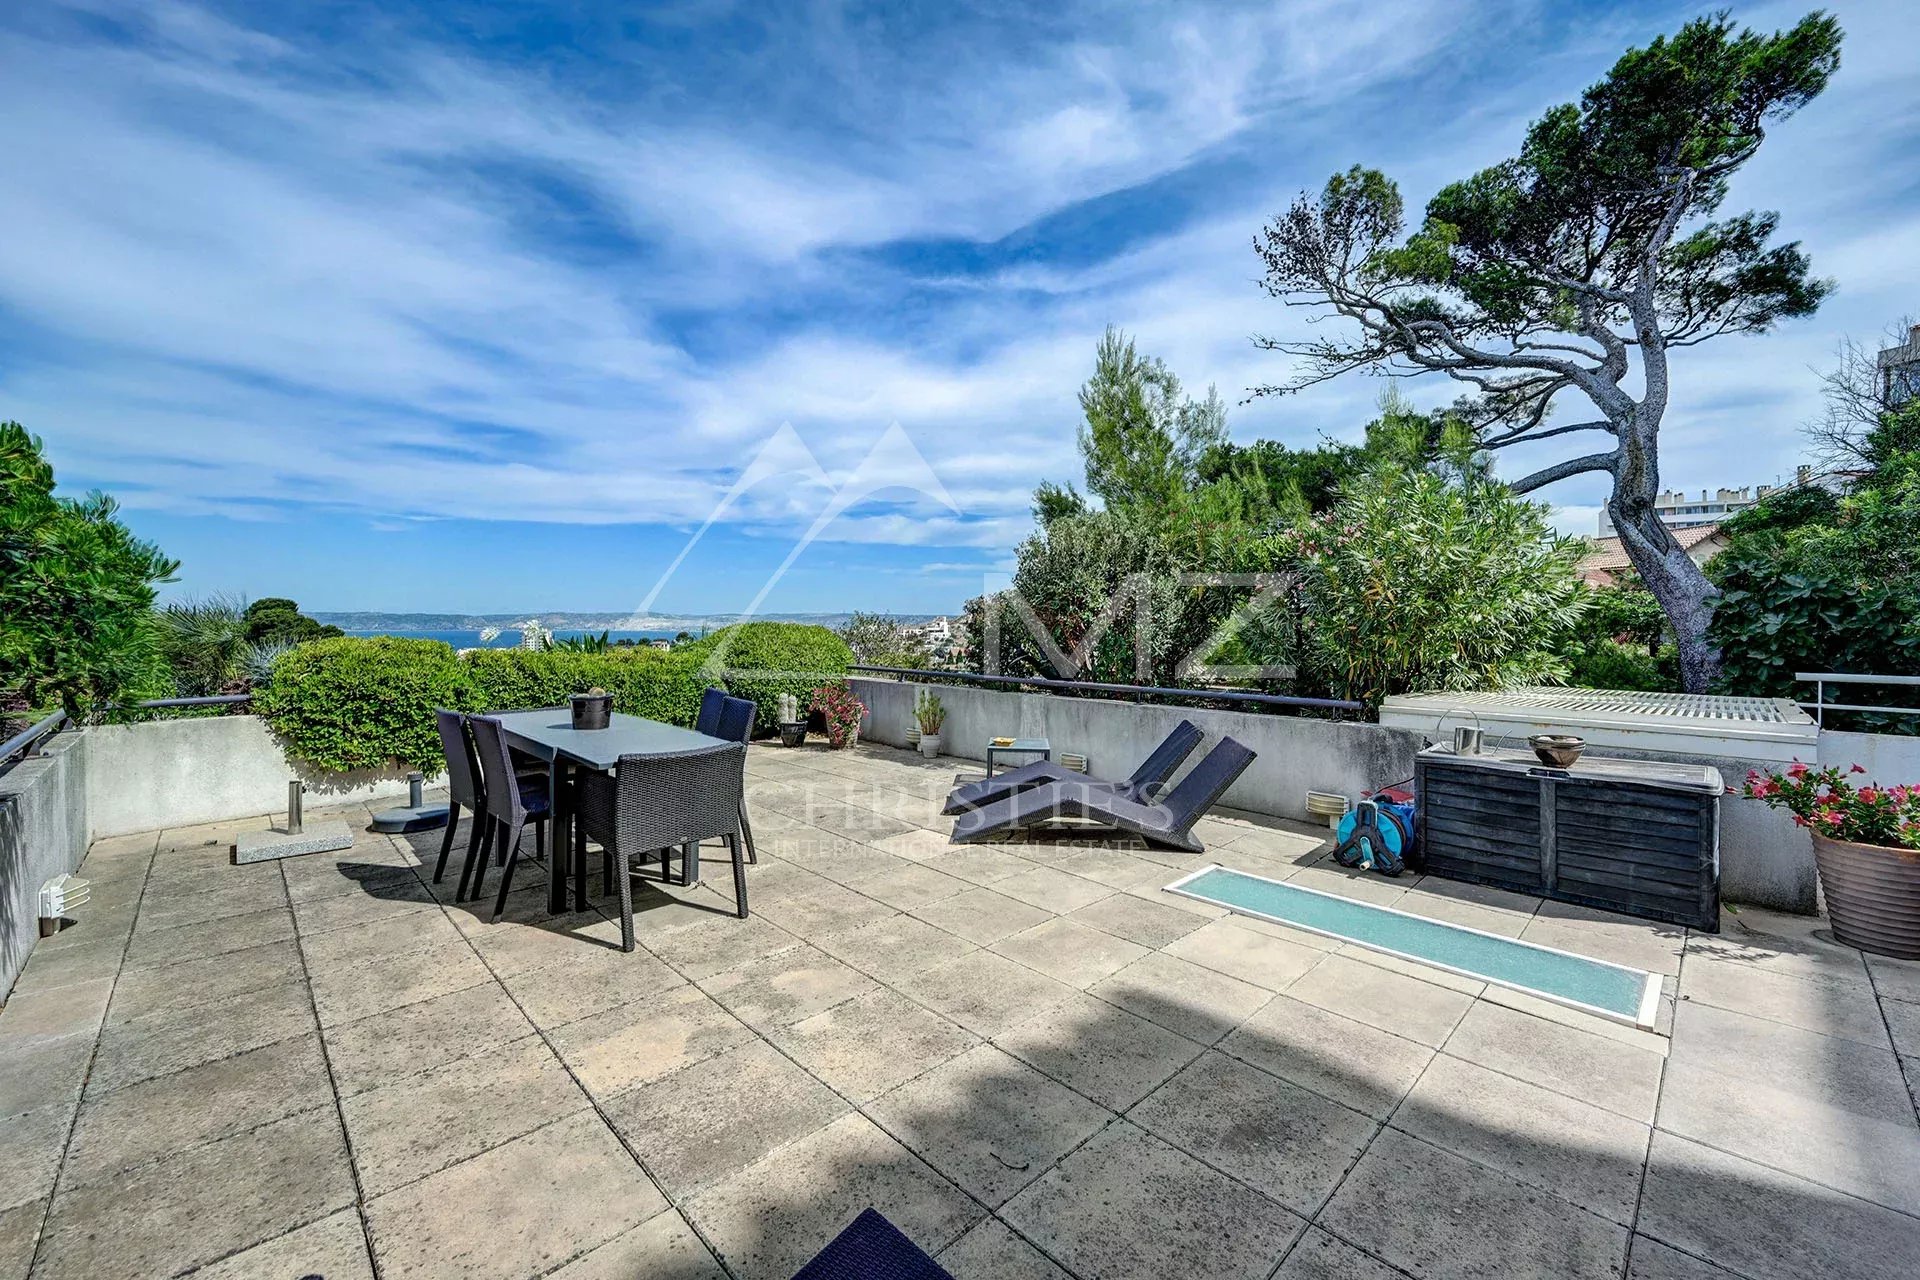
(712, 703)
(736, 725)
(463, 789)
(512, 802)
(657, 801)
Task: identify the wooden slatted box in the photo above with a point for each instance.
(1633, 836)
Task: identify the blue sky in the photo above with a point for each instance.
(488, 307)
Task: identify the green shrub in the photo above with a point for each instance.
(364, 703)
(762, 660)
(655, 683)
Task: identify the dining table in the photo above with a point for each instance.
(547, 734)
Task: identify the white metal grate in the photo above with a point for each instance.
(1716, 725)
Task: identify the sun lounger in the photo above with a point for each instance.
(1141, 785)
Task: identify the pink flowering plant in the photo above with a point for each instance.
(841, 710)
(1827, 801)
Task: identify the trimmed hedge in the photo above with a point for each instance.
(762, 660)
(656, 683)
(368, 702)
(364, 702)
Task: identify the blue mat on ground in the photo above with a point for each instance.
(871, 1248)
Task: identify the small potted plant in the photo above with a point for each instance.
(793, 726)
(592, 709)
(929, 716)
(840, 712)
(1866, 842)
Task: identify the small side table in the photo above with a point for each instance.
(1019, 746)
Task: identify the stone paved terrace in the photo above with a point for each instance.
(1027, 1056)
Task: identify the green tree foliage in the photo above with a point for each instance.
(1141, 440)
(1811, 581)
(1618, 643)
(76, 591)
(659, 684)
(1415, 582)
(276, 620)
(880, 640)
(1578, 266)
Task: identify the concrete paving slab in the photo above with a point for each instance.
(981, 916)
(771, 1217)
(992, 1252)
(422, 1123)
(1846, 1009)
(986, 993)
(1651, 1260)
(1768, 1225)
(1320, 1256)
(1099, 1050)
(159, 1117)
(216, 979)
(200, 1205)
(1263, 960)
(236, 933)
(334, 1247)
(1580, 1152)
(1574, 1063)
(1052, 890)
(988, 1121)
(1069, 952)
(30, 1148)
(520, 1209)
(706, 1122)
(908, 887)
(587, 981)
(1429, 1212)
(1150, 924)
(1182, 997)
(662, 1248)
(892, 949)
(351, 991)
(633, 1043)
(167, 1042)
(872, 1043)
(1380, 997)
(1286, 1142)
(422, 1037)
(1350, 1062)
(1128, 1205)
(784, 988)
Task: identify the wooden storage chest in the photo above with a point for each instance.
(1633, 836)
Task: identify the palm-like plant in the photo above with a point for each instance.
(205, 642)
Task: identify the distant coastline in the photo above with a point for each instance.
(561, 623)
(461, 638)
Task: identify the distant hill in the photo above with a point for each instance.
(564, 621)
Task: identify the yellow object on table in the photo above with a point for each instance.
(1003, 742)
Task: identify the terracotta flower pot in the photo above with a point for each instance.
(1873, 895)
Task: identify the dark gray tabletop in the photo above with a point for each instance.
(550, 731)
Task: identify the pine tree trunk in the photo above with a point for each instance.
(1676, 582)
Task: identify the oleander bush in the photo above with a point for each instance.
(368, 702)
(762, 660)
(364, 702)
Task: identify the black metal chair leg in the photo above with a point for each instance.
(739, 877)
(746, 833)
(446, 842)
(506, 873)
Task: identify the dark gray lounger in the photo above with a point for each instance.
(1141, 785)
(1167, 823)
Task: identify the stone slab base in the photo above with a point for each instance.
(318, 837)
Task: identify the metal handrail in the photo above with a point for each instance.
(28, 740)
(1821, 679)
(1094, 686)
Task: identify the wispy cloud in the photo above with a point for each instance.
(398, 269)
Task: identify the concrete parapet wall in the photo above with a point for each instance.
(43, 833)
(180, 773)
